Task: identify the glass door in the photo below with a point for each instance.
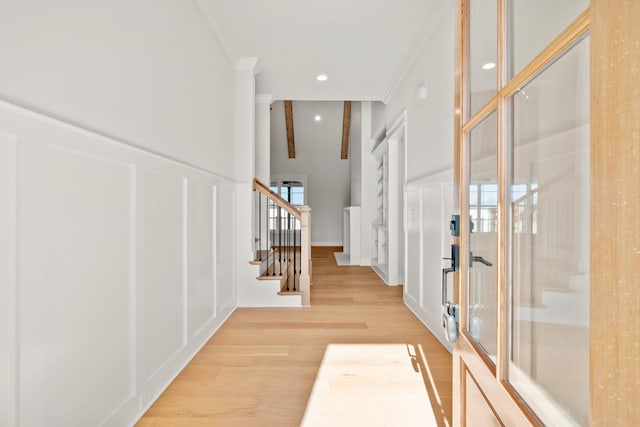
(524, 160)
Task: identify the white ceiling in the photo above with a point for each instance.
(309, 133)
(362, 45)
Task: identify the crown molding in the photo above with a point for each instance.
(419, 43)
(398, 123)
(211, 17)
(247, 64)
(265, 99)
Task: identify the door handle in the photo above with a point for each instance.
(445, 271)
(480, 260)
(449, 309)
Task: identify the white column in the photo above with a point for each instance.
(245, 119)
(263, 155)
(245, 168)
(263, 138)
(305, 255)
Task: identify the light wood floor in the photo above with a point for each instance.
(259, 369)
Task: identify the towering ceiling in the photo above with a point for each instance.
(363, 46)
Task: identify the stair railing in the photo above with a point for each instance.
(542, 232)
(282, 239)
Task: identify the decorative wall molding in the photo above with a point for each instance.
(78, 128)
(399, 124)
(438, 176)
(107, 264)
(429, 203)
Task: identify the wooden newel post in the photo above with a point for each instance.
(305, 254)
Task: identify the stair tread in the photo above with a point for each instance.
(530, 305)
(557, 289)
(290, 293)
(265, 254)
(269, 277)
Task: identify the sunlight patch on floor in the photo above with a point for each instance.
(369, 385)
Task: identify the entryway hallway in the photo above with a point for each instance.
(357, 357)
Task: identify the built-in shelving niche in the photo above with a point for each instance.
(387, 232)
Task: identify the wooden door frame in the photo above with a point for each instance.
(615, 207)
(615, 213)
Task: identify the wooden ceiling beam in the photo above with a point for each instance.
(288, 115)
(346, 126)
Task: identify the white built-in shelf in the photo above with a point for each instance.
(386, 227)
(351, 233)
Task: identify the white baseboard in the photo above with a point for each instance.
(326, 243)
(414, 306)
(180, 365)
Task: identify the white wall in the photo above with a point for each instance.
(123, 252)
(317, 156)
(8, 289)
(378, 117)
(430, 123)
(429, 160)
(149, 72)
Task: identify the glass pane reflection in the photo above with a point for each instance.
(550, 238)
(536, 23)
(483, 53)
(483, 210)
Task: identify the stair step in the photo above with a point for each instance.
(556, 289)
(533, 304)
(261, 257)
(269, 277)
(285, 293)
(271, 257)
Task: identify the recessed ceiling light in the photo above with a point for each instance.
(317, 118)
(489, 66)
(322, 77)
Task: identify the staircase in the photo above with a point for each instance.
(550, 255)
(282, 247)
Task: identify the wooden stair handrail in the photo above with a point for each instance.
(562, 178)
(275, 198)
(569, 183)
(302, 214)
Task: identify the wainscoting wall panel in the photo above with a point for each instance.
(111, 275)
(225, 247)
(413, 251)
(165, 286)
(429, 205)
(202, 256)
(86, 225)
